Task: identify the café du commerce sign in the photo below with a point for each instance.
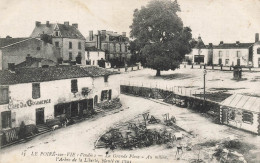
(28, 103)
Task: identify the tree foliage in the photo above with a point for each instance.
(160, 36)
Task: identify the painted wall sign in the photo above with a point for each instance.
(28, 103)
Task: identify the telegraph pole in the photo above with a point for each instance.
(204, 85)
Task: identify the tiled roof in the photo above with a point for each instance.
(8, 41)
(28, 63)
(233, 46)
(66, 31)
(28, 75)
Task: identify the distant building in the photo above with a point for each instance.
(115, 45)
(15, 50)
(256, 51)
(231, 54)
(201, 53)
(35, 95)
(64, 36)
(96, 57)
(226, 54)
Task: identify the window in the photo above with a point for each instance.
(114, 47)
(247, 117)
(238, 54)
(6, 119)
(70, 55)
(227, 54)
(220, 54)
(79, 45)
(57, 33)
(93, 63)
(104, 95)
(258, 50)
(74, 86)
(36, 93)
(38, 48)
(70, 45)
(4, 95)
(106, 78)
(57, 44)
(120, 47)
(232, 114)
(125, 48)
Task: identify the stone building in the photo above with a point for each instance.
(15, 50)
(64, 36)
(115, 45)
(35, 95)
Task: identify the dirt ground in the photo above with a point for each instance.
(81, 137)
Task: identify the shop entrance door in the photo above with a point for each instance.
(39, 116)
(74, 109)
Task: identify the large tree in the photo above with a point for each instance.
(160, 33)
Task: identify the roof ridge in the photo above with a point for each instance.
(28, 38)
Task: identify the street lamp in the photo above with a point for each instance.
(204, 74)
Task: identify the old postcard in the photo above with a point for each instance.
(129, 81)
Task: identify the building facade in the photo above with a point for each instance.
(66, 37)
(115, 45)
(200, 53)
(256, 51)
(69, 90)
(95, 57)
(15, 50)
(231, 54)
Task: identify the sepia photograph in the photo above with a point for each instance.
(129, 81)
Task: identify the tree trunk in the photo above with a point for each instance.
(158, 72)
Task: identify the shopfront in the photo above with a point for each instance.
(74, 108)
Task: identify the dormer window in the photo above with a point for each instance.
(57, 33)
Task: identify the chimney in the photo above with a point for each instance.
(11, 67)
(67, 23)
(28, 57)
(47, 23)
(256, 37)
(98, 40)
(237, 42)
(90, 35)
(37, 24)
(221, 43)
(124, 34)
(75, 25)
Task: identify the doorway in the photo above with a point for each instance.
(238, 62)
(74, 109)
(39, 116)
(95, 100)
(220, 61)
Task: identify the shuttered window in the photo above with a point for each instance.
(36, 92)
(4, 95)
(74, 86)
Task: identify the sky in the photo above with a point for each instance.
(213, 20)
